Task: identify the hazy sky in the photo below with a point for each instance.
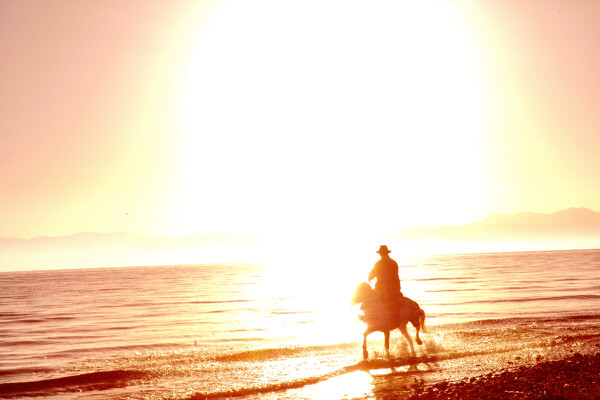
(163, 117)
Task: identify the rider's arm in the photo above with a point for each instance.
(373, 274)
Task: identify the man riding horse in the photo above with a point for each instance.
(385, 271)
(385, 308)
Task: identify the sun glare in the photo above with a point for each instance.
(322, 287)
(293, 119)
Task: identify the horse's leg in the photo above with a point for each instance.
(417, 338)
(364, 346)
(420, 325)
(402, 328)
(387, 343)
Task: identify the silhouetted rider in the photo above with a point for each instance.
(386, 272)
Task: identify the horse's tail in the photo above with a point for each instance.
(422, 320)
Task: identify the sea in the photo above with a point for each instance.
(249, 331)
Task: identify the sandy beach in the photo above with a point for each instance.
(576, 377)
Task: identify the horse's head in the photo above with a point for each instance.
(361, 293)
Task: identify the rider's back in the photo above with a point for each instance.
(386, 272)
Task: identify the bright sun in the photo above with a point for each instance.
(330, 116)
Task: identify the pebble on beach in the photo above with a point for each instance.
(573, 378)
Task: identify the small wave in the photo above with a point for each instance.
(27, 342)
(219, 301)
(449, 278)
(584, 317)
(272, 353)
(25, 370)
(526, 299)
(249, 330)
(12, 315)
(222, 311)
(459, 290)
(525, 321)
(86, 382)
(260, 354)
(234, 340)
(28, 319)
(279, 312)
(262, 389)
(31, 320)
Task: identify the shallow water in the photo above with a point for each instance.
(186, 332)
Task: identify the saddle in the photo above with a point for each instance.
(384, 306)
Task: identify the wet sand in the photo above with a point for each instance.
(576, 377)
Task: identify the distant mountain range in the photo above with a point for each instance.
(573, 223)
(120, 249)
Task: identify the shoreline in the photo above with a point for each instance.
(575, 377)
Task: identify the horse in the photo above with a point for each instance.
(379, 317)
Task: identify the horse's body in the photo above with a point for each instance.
(380, 317)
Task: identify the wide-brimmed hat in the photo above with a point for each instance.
(383, 250)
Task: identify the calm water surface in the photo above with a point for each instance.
(248, 331)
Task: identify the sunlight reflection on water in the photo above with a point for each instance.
(354, 385)
(312, 304)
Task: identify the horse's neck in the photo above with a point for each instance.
(373, 302)
(405, 301)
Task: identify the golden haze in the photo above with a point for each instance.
(235, 117)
